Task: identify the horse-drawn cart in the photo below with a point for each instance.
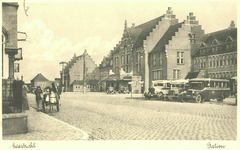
(50, 99)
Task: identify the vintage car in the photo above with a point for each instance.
(124, 90)
(111, 90)
(177, 86)
(205, 89)
(158, 90)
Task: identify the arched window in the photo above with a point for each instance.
(223, 60)
(210, 61)
(217, 64)
(231, 59)
(220, 60)
(213, 61)
(227, 60)
(201, 63)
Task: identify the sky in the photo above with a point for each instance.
(57, 30)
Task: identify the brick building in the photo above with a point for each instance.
(171, 59)
(163, 48)
(216, 57)
(74, 74)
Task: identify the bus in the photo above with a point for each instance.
(205, 89)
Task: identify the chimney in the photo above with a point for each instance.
(133, 25)
(191, 19)
(169, 13)
(74, 55)
(232, 25)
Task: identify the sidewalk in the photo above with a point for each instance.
(44, 127)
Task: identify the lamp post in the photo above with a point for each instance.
(63, 63)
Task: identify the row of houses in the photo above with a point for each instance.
(161, 49)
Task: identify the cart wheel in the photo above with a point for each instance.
(43, 106)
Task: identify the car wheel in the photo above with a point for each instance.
(222, 97)
(198, 98)
(160, 95)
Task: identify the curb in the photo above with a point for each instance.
(85, 135)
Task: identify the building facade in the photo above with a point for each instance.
(164, 49)
(79, 70)
(9, 49)
(40, 80)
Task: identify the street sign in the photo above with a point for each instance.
(16, 67)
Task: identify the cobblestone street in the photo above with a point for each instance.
(113, 117)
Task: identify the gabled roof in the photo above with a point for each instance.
(140, 32)
(221, 35)
(40, 77)
(160, 46)
(71, 63)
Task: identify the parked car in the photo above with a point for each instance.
(124, 90)
(177, 86)
(159, 89)
(205, 89)
(111, 90)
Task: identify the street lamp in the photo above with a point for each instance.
(63, 65)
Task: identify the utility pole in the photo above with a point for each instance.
(84, 71)
(62, 83)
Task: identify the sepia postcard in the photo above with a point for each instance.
(119, 74)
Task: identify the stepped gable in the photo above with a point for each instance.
(160, 46)
(40, 77)
(145, 28)
(221, 35)
(71, 63)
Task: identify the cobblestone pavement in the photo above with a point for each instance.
(113, 117)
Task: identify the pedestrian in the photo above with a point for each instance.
(25, 105)
(38, 94)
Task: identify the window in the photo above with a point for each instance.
(122, 60)
(213, 61)
(192, 38)
(216, 61)
(116, 65)
(224, 60)
(180, 58)
(154, 59)
(160, 59)
(210, 61)
(125, 49)
(138, 67)
(234, 58)
(220, 60)
(201, 62)
(157, 75)
(203, 65)
(210, 75)
(231, 59)
(227, 60)
(176, 74)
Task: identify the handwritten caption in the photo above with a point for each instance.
(23, 145)
(210, 145)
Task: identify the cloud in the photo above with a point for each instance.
(42, 53)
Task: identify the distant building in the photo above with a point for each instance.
(40, 80)
(74, 74)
